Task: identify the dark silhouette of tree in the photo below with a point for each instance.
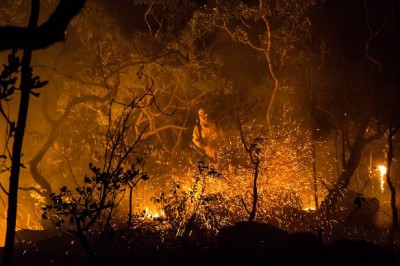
(395, 218)
(26, 87)
(29, 39)
(392, 131)
(50, 32)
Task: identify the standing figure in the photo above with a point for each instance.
(206, 134)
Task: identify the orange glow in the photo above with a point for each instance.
(382, 170)
(309, 208)
(151, 214)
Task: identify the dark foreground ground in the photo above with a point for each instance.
(242, 244)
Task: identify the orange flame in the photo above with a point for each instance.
(382, 170)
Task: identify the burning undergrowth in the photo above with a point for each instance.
(217, 193)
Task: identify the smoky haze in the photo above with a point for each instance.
(300, 106)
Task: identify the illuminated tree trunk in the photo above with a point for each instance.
(18, 140)
(266, 49)
(41, 180)
(395, 221)
(271, 70)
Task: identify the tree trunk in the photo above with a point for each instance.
(18, 140)
(252, 215)
(314, 167)
(395, 221)
(41, 180)
(272, 72)
(49, 32)
(349, 168)
(88, 248)
(55, 126)
(130, 209)
(33, 164)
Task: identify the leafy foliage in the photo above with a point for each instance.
(8, 87)
(94, 202)
(8, 80)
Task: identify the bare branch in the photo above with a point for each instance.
(372, 35)
(50, 32)
(4, 190)
(31, 189)
(155, 131)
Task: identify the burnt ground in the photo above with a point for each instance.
(242, 244)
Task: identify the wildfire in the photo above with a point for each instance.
(382, 170)
(150, 214)
(309, 208)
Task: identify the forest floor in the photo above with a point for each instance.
(242, 244)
